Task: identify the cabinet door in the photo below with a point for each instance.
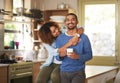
(36, 69)
(3, 75)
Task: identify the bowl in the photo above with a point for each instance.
(57, 18)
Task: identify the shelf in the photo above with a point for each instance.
(24, 22)
(12, 31)
(57, 10)
(13, 50)
(48, 13)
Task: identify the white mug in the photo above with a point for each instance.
(69, 51)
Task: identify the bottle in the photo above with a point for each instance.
(12, 44)
(17, 45)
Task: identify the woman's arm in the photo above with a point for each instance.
(80, 30)
(73, 41)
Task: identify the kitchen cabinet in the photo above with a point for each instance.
(3, 74)
(21, 72)
(36, 69)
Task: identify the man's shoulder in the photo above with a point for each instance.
(83, 35)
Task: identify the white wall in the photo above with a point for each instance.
(52, 4)
(1, 4)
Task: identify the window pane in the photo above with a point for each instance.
(17, 4)
(100, 27)
(18, 32)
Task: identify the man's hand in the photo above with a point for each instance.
(73, 55)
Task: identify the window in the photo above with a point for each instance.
(18, 31)
(17, 4)
(100, 21)
(100, 27)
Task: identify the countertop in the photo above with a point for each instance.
(3, 65)
(20, 62)
(94, 70)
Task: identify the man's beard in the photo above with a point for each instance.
(71, 28)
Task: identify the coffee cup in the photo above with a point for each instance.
(69, 51)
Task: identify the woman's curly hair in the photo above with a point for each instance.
(45, 32)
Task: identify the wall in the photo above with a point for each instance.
(52, 4)
(1, 4)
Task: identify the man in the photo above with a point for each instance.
(72, 69)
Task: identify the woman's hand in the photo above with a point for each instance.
(80, 30)
(73, 41)
(62, 51)
(76, 38)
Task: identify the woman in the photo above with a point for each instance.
(50, 69)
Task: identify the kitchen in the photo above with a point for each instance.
(77, 8)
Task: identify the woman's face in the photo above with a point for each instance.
(55, 31)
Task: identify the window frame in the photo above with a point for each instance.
(103, 60)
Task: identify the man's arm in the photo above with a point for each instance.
(87, 50)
